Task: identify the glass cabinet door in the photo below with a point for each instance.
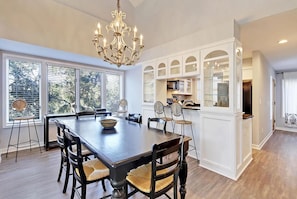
(216, 79)
(190, 64)
(189, 86)
(175, 67)
(161, 70)
(148, 84)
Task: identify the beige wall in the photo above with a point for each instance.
(49, 24)
(219, 32)
(262, 124)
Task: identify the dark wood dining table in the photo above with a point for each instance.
(122, 148)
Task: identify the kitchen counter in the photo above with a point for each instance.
(187, 107)
(192, 107)
(190, 113)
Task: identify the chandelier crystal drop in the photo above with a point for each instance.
(118, 51)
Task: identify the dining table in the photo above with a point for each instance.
(124, 147)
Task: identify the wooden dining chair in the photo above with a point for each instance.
(154, 122)
(134, 117)
(155, 179)
(64, 162)
(87, 113)
(85, 172)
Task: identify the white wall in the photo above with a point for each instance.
(280, 121)
(133, 89)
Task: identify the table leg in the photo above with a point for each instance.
(183, 173)
(118, 189)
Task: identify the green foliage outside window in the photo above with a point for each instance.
(61, 89)
(112, 92)
(90, 90)
(24, 83)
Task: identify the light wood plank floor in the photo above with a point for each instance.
(271, 175)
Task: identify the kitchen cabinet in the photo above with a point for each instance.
(216, 79)
(221, 77)
(161, 69)
(148, 83)
(191, 64)
(184, 87)
(175, 67)
(221, 124)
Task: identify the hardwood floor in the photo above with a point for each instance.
(271, 175)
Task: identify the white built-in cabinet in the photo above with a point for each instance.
(148, 83)
(175, 66)
(191, 64)
(222, 139)
(185, 87)
(224, 146)
(161, 69)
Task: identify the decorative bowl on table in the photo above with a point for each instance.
(108, 123)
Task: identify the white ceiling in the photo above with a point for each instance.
(263, 22)
(136, 3)
(263, 35)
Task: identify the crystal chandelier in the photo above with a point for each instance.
(118, 52)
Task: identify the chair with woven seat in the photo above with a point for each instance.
(155, 179)
(85, 172)
(19, 106)
(64, 154)
(87, 113)
(179, 119)
(159, 110)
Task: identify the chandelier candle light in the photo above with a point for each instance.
(118, 52)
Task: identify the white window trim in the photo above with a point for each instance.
(6, 105)
(43, 90)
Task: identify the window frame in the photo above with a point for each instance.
(6, 105)
(43, 89)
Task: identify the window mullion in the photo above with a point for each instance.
(77, 88)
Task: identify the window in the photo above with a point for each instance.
(66, 87)
(61, 89)
(89, 90)
(289, 93)
(113, 83)
(23, 83)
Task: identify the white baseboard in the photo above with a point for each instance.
(286, 129)
(21, 148)
(259, 146)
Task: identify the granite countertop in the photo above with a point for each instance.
(188, 107)
(192, 107)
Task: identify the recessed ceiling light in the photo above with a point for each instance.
(283, 41)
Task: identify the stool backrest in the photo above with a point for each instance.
(123, 105)
(19, 105)
(176, 110)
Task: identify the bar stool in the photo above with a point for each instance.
(160, 113)
(20, 105)
(123, 108)
(178, 118)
